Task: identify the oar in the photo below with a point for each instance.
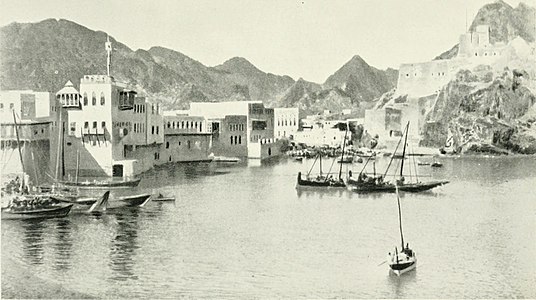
(382, 263)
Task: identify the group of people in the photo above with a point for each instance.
(365, 179)
(33, 203)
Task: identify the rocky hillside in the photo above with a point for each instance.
(43, 56)
(484, 114)
(505, 24)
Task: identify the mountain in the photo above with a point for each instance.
(43, 56)
(361, 81)
(505, 24)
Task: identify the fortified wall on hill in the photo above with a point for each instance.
(422, 79)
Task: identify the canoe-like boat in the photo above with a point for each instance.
(53, 211)
(163, 198)
(320, 182)
(135, 200)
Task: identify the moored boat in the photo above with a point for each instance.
(134, 200)
(163, 198)
(436, 164)
(106, 183)
(48, 211)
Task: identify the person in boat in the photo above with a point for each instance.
(401, 180)
(350, 173)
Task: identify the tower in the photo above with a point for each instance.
(108, 47)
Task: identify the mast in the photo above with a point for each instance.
(399, 216)
(342, 156)
(320, 155)
(20, 151)
(393, 156)
(62, 151)
(77, 165)
(404, 150)
(59, 146)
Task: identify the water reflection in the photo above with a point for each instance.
(63, 245)
(33, 240)
(399, 284)
(124, 245)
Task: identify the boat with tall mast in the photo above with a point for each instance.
(405, 260)
(322, 180)
(366, 184)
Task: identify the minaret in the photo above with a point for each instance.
(108, 46)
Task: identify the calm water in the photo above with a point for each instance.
(245, 231)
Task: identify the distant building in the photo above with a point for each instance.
(254, 133)
(286, 122)
(34, 114)
(319, 132)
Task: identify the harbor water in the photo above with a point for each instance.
(245, 231)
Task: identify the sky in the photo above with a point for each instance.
(310, 39)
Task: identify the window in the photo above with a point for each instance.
(152, 129)
(155, 155)
(167, 145)
(236, 139)
(86, 125)
(200, 127)
(168, 124)
(102, 100)
(85, 99)
(182, 124)
(258, 125)
(157, 127)
(11, 105)
(94, 124)
(189, 144)
(231, 140)
(240, 139)
(103, 124)
(93, 99)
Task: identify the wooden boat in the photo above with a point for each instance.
(298, 158)
(366, 184)
(436, 164)
(387, 187)
(95, 203)
(51, 211)
(423, 163)
(320, 181)
(323, 181)
(107, 183)
(163, 198)
(135, 200)
(346, 160)
(405, 260)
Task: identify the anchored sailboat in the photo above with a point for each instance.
(405, 260)
(365, 184)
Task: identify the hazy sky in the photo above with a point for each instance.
(306, 38)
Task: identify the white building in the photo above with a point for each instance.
(286, 122)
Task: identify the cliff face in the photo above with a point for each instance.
(483, 113)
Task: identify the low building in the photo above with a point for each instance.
(286, 122)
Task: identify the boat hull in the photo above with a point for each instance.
(52, 212)
(391, 188)
(103, 184)
(320, 183)
(402, 268)
(136, 200)
(164, 199)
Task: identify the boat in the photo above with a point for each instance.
(449, 147)
(322, 180)
(436, 164)
(346, 160)
(106, 183)
(366, 184)
(163, 198)
(298, 158)
(223, 159)
(34, 207)
(405, 260)
(95, 203)
(423, 163)
(360, 160)
(135, 200)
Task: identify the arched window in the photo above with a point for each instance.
(167, 145)
(102, 100)
(93, 99)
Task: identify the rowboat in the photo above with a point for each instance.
(52, 211)
(163, 198)
(135, 200)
